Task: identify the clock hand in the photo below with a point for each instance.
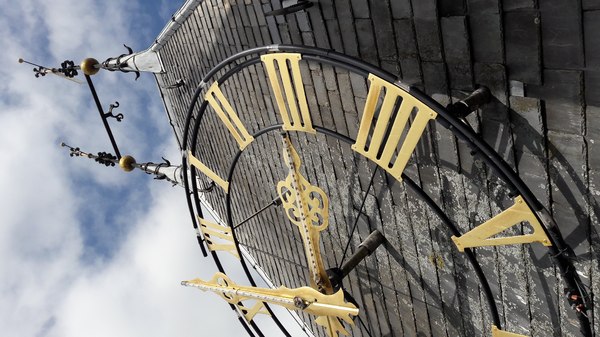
(328, 308)
(308, 212)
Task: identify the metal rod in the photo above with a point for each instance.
(368, 246)
(474, 101)
(276, 201)
(103, 116)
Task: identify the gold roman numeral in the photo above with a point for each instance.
(288, 90)
(218, 237)
(389, 126)
(225, 111)
(482, 235)
(208, 172)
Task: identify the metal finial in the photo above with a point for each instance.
(103, 158)
(161, 171)
(67, 70)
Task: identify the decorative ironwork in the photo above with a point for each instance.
(121, 65)
(119, 117)
(306, 206)
(155, 169)
(40, 71)
(103, 158)
(106, 159)
(68, 68)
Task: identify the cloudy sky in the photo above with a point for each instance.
(87, 250)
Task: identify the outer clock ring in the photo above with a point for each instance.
(235, 63)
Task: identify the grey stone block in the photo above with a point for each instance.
(273, 29)
(590, 4)
(567, 153)
(334, 35)
(303, 21)
(346, 93)
(405, 39)
(428, 39)
(562, 42)
(327, 9)
(486, 36)
(531, 164)
(522, 43)
(434, 78)
(383, 29)
(284, 33)
(528, 125)
(456, 52)
(591, 27)
(538, 186)
(241, 9)
(451, 7)
(401, 9)
(364, 32)
(499, 136)
(260, 15)
(359, 85)
(347, 29)
(456, 39)
(478, 7)
(509, 5)
(308, 39)
(319, 30)
(592, 87)
(425, 9)
(593, 136)
(296, 35)
(411, 71)
(563, 95)
(360, 9)
(330, 77)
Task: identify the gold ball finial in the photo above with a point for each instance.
(126, 163)
(90, 66)
(21, 60)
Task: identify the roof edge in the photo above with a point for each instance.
(176, 21)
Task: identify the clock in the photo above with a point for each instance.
(328, 178)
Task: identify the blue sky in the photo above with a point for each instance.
(87, 250)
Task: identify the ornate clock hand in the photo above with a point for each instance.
(328, 308)
(306, 211)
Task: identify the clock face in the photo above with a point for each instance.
(302, 154)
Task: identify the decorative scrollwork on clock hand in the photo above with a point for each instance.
(307, 212)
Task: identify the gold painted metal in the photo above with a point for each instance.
(381, 150)
(501, 333)
(517, 213)
(328, 308)
(293, 107)
(307, 211)
(218, 237)
(90, 66)
(208, 172)
(127, 163)
(228, 116)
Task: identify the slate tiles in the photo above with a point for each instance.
(548, 130)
